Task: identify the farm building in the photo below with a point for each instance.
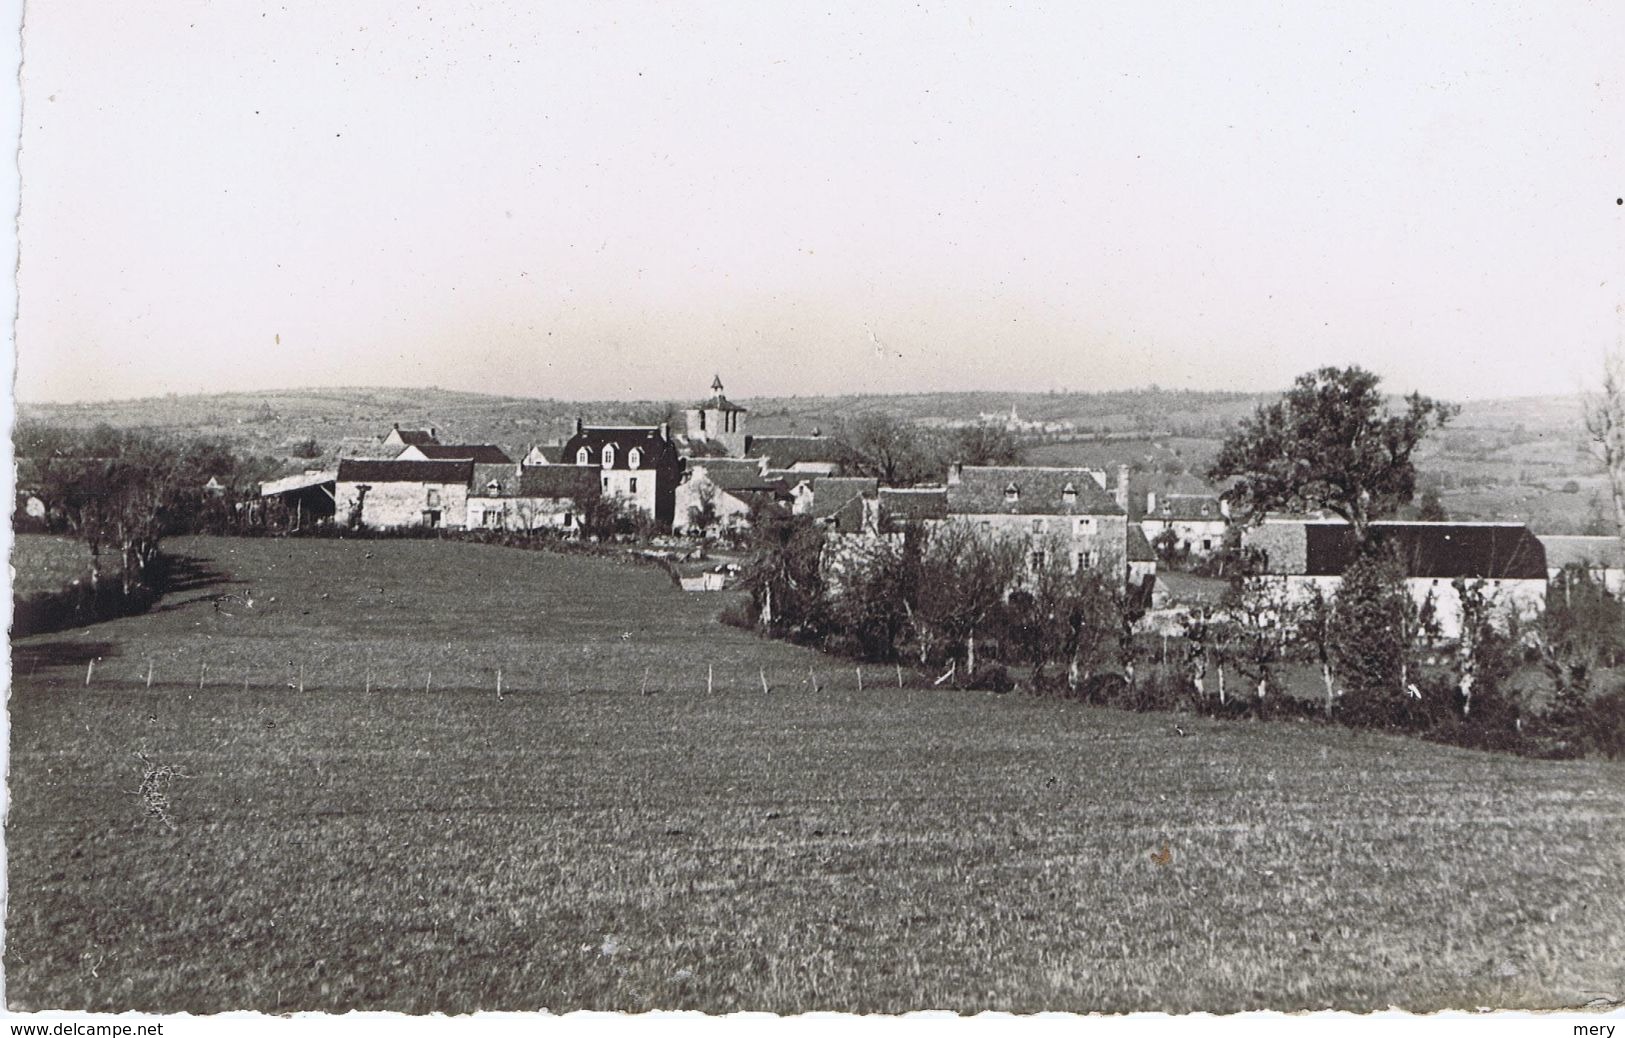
(309, 497)
(638, 464)
(1602, 557)
(900, 505)
(1198, 521)
(1066, 507)
(393, 494)
(1510, 560)
(539, 497)
(1142, 558)
(843, 504)
(481, 453)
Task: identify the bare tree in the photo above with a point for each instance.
(1605, 431)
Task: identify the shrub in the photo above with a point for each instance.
(991, 677)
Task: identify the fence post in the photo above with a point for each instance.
(643, 689)
(499, 684)
(813, 677)
(899, 675)
(202, 674)
(860, 677)
(708, 679)
(90, 669)
(301, 677)
(762, 672)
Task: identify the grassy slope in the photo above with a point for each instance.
(579, 845)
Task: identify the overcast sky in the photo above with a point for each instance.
(586, 200)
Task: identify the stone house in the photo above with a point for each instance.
(540, 497)
(1198, 521)
(1063, 509)
(1304, 554)
(637, 464)
(384, 495)
(734, 487)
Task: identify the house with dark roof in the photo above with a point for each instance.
(901, 505)
(540, 497)
(483, 453)
(638, 464)
(1053, 509)
(1507, 558)
(398, 437)
(815, 454)
(1198, 521)
(544, 454)
(391, 494)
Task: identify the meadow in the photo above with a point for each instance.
(361, 823)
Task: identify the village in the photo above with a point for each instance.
(705, 480)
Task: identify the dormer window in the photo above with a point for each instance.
(634, 458)
(1069, 495)
(609, 455)
(583, 457)
(1012, 494)
(493, 488)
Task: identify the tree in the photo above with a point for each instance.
(704, 515)
(1605, 432)
(964, 576)
(1329, 442)
(893, 451)
(985, 444)
(1066, 618)
(1431, 509)
(785, 577)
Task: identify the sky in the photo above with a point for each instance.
(596, 201)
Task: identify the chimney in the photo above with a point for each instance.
(956, 469)
(665, 430)
(1150, 502)
(431, 432)
(1224, 507)
(1122, 488)
(578, 425)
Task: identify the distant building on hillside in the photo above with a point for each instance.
(638, 464)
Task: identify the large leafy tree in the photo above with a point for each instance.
(1330, 442)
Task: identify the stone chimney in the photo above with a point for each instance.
(578, 425)
(956, 469)
(1122, 488)
(1150, 502)
(665, 430)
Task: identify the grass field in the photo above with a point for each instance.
(578, 845)
(41, 562)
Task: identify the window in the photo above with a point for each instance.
(634, 458)
(1038, 560)
(1038, 526)
(492, 520)
(433, 499)
(1069, 495)
(606, 482)
(1082, 561)
(609, 455)
(1087, 559)
(987, 526)
(583, 457)
(1012, 493)
(1086, 526)
(494, 487)
(702, 419)
(632, 485)
(1207, 544)
(568, 519)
